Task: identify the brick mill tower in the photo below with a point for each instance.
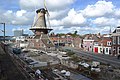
(40, 29)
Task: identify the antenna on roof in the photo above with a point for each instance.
(110, 30)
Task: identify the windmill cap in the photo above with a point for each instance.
(42, 10)
(118, 27)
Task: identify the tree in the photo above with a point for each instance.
(74, 34)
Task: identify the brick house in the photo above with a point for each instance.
(67, 40)
(89, 41)
(104, 45)
(116, 41)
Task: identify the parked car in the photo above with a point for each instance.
(16, 50)
(97, 69)
(28, 61)
(32, 63)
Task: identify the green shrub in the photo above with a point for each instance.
(70, 53)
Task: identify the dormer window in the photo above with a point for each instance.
(49, 42)
(118, 30)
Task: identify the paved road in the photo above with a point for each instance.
(107, 59)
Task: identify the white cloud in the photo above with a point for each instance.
(20, 13)
(97, 16)
(117, 13)
(94, 30)
(55, 22)
(74, 28)
(59, 4)
(73, 18)
(105, 21)
(102, 14)
(58, 14)
(20, 17)
(51, 4)
(118, 22)
(30, 4)
(59, 28)
(99, 9)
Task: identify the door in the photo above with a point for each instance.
(96, 50)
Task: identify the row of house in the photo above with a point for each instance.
(97, 44)
(89, 42)
(104, 44)
(67, 40)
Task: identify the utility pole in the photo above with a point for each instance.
(3, 30)
(4, 34)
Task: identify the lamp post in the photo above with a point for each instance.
(3, 30)
(58, 42)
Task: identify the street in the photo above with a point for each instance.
(107, 59)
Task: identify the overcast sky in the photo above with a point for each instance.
(85, 16)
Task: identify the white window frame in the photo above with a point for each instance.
(118, 30)
(107, 50)
(114, 40)
(107, 43)
(118, 50)
(118, 39)
(110, 43)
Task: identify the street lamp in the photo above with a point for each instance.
(3, 30)
(58, 41)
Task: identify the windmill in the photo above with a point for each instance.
(40, 27)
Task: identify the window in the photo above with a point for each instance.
(101, 50)
(107, 50)
(118, 50)
(118, 39)
(90, 46)
(118, 30)
(37, 40)
(49, 42)
(109, 43)
(114, 40)
(114, 48)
